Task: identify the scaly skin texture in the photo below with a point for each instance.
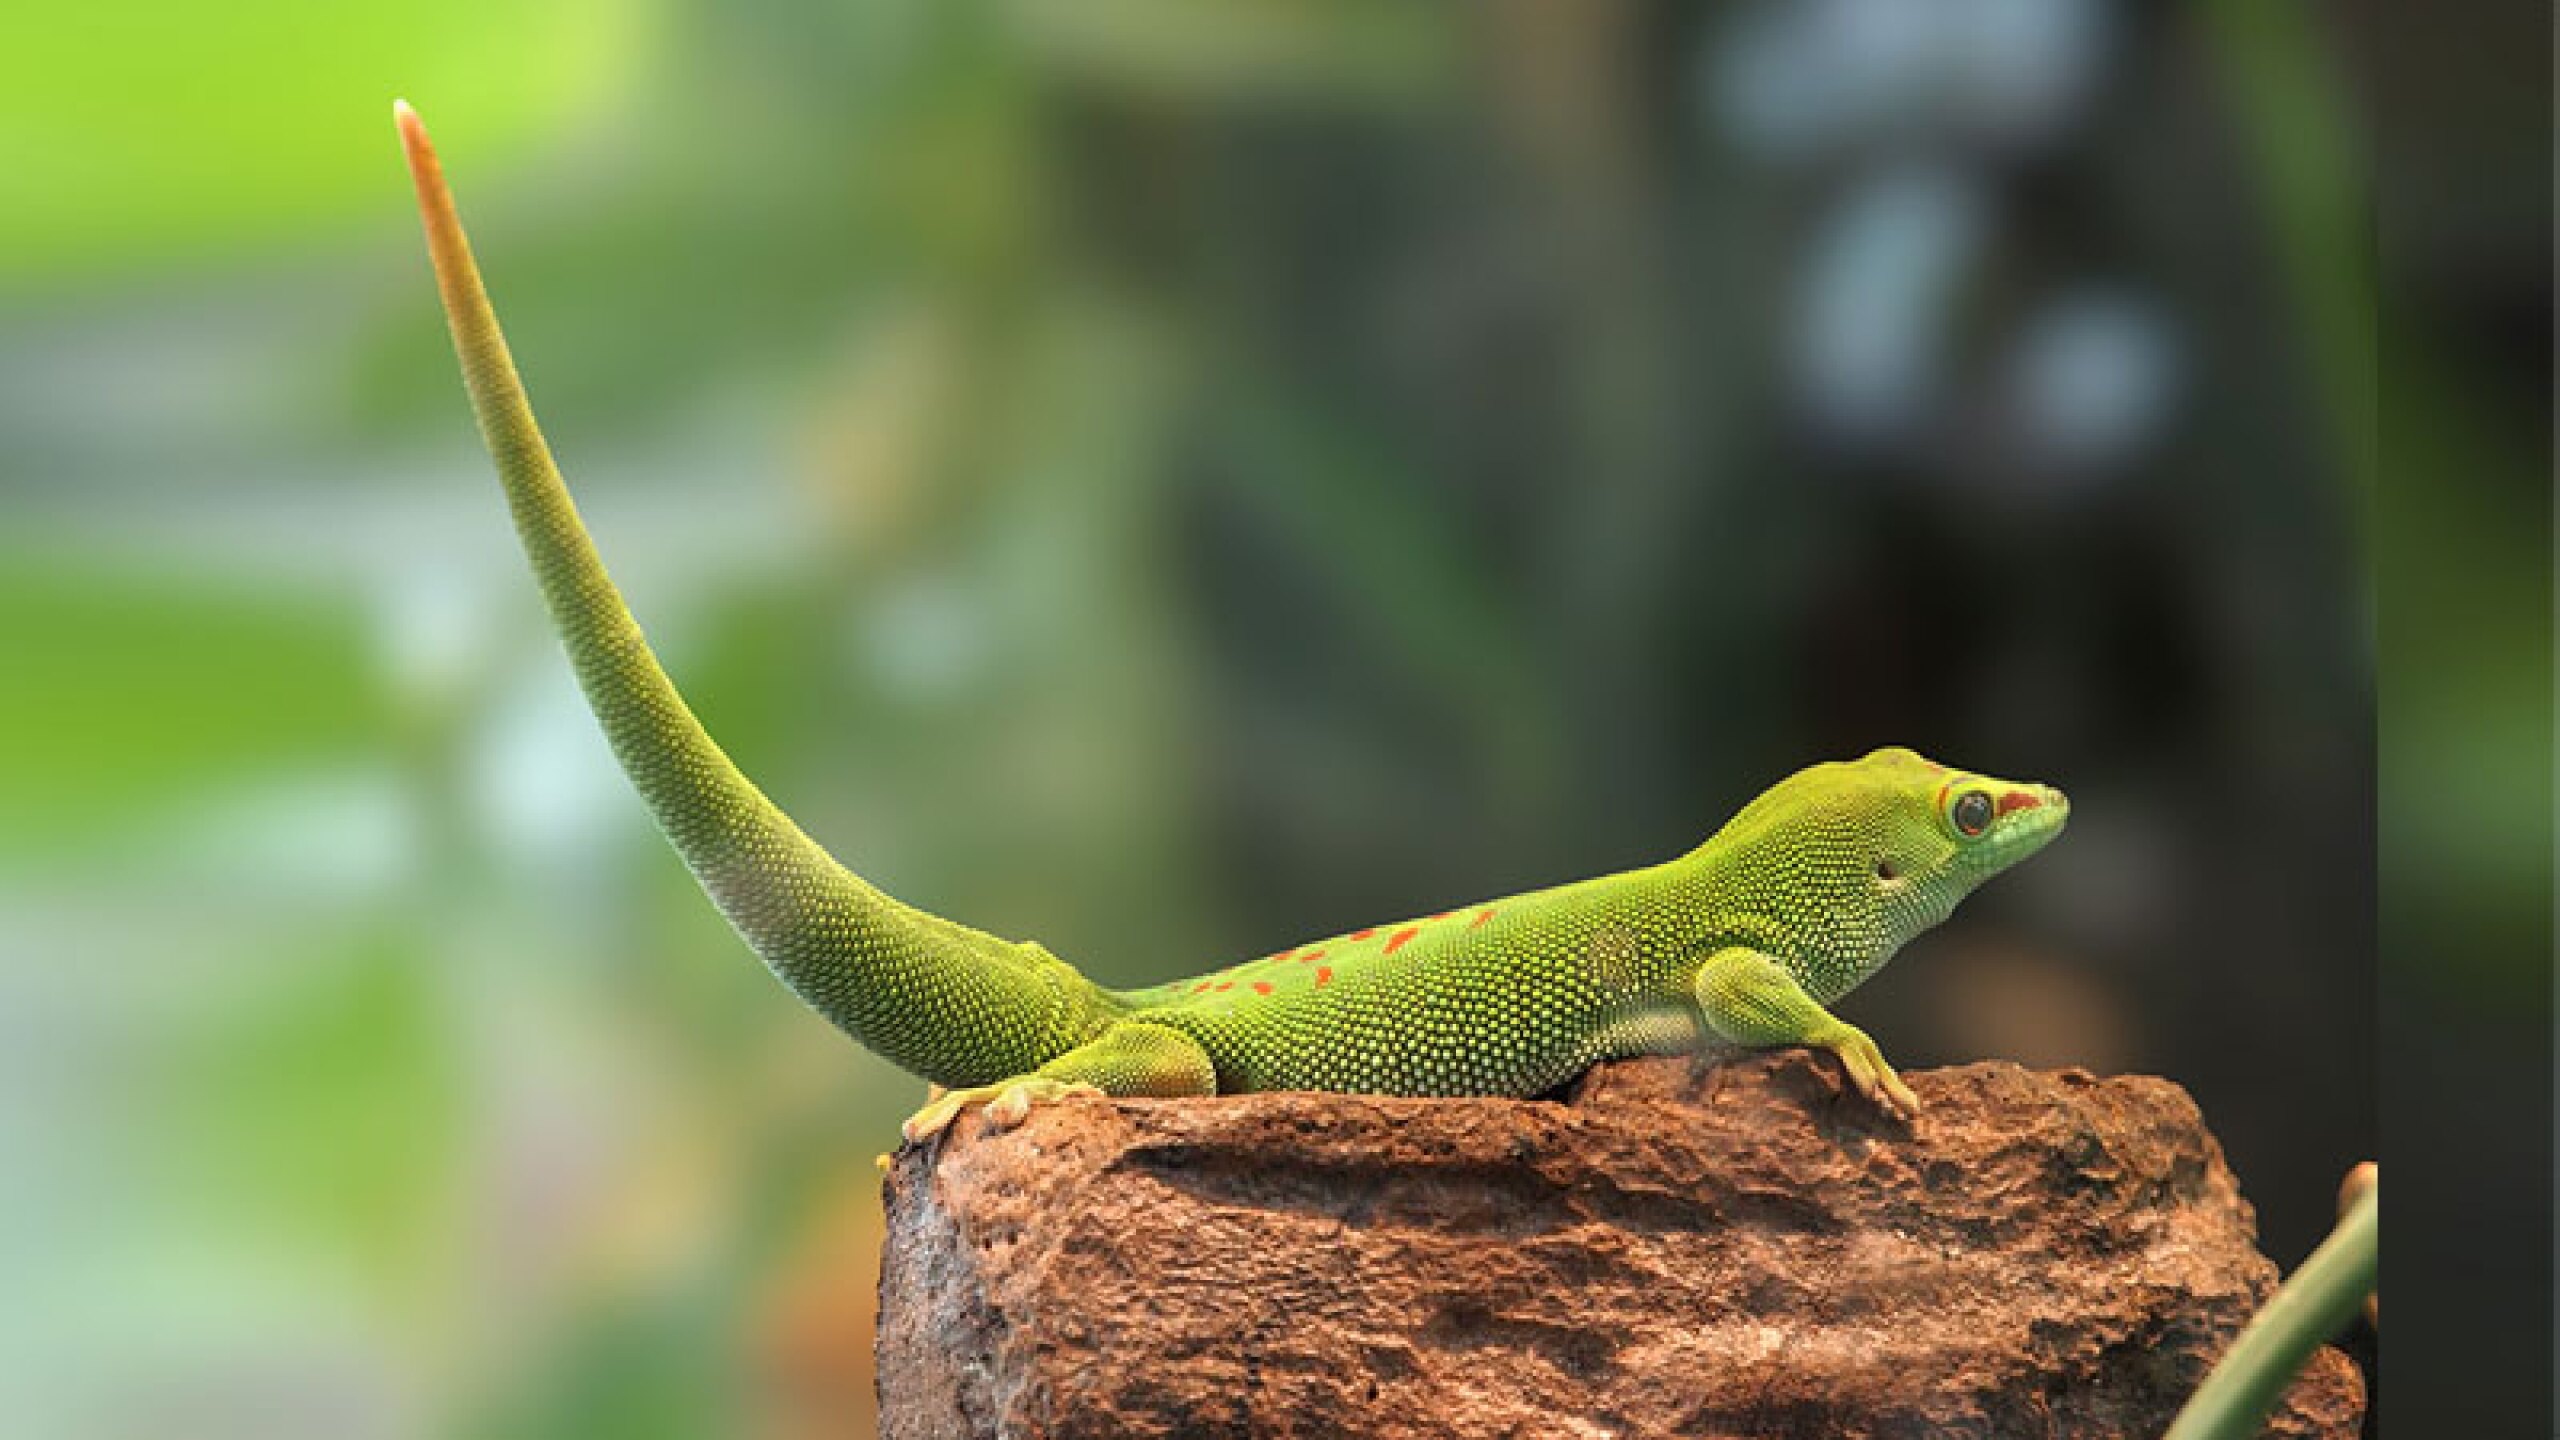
(1742, 941)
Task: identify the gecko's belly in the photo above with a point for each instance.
(1386, 1040)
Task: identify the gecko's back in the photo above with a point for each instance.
(1504, 997)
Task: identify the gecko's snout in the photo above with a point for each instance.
(2029, 816)
(2032, 797)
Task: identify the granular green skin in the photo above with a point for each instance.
(1512, 997)
(1744, 940)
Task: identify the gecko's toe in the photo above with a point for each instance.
(930, 1121)
(1895, 1100)
(1013, 1106)
(1010, 1108)
(1902, 1101)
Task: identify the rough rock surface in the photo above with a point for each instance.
(1738, 1251)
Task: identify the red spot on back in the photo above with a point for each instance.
(1277, 959)
(2017, 800)
(1481, 916)
(1443, 915)
(1226, 984)
(1311, 957)
(1261, 987)
(1203, 985)
(1396, 940)
(1324, 973)
(1364, 934)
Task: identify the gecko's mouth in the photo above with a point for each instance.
(2027, 819)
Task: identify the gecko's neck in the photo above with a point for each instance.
(1721, 895)
(1673, 911)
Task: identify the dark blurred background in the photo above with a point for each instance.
(1160, 483)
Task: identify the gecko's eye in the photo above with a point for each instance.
(1972, 812)
(1887, 871)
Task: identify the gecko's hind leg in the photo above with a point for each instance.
(1131, 1058)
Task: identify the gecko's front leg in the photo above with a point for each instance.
(1750, 999)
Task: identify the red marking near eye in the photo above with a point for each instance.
(1324, 973)
(1396, 940)
(1261, 987)
(1364, 934)
(1311, 957)
(2016, 800)
(1226, 984)
(1481, 916)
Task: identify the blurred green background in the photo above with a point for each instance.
(1161, 481)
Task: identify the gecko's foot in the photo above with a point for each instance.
(1006, 1102)
(1874, 1078)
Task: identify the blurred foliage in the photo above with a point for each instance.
(1160, 486)
(259, 680)
(137, 135)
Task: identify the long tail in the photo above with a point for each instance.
(950, 1003)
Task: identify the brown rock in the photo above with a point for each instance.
(1741, 1251)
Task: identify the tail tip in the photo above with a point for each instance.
(413, 131)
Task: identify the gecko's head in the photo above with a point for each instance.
(1886, 845)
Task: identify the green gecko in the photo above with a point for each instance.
(1743, 941)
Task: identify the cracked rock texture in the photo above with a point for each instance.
(1746, 1250)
